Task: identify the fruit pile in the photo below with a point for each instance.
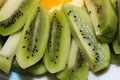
(67, 42)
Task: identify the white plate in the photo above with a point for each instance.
(113, 73)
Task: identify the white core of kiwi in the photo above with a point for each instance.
(10, 45)
(73, 54)
(9, 8)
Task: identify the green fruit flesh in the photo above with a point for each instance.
(5, 63)
(104, 19)
(57, 52)
(34, 37)
(114, 4)
(11, 9)
(9, 48)
(82, 30)
(116, 46)
(118, 13)
(16, 21)
(76, 68)
(5, 60)
(37, 69)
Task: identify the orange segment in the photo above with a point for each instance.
(51, 3)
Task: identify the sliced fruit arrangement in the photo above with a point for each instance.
(82, 30)
(14, 14)
(58, 47)
(34, 38)
(67, 42)
(76, 68)
(104, 19)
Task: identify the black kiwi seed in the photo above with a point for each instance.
(69, 12)
(80, 30)
(89, 12)
(72, 70)
(98, 25)
(55, 62)
(27, 57)
(89, 44)
(32, 55)
(36, 50)
(7, 57)
(56, 56)
(23, 47)
(75, 16)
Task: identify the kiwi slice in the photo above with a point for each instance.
(7, 51)
(116, 40)
(34, 38)
(97, 54)
(116, 46)
(76, 68)
(58, 47)
(5, 63)
(104, 19)
(114, 4)
(14, 22)
(37, 69)
(10, 45)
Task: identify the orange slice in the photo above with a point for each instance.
(51, 3)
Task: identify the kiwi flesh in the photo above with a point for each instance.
(37, 69)
(58, 47)
(76, 68)
(116, 40)
(18, 18)
(34, 38)
(5, 63)
(7, 51)
(10, 45)
(114, 4)
(116, 46)
(97, 54)
(104, 19)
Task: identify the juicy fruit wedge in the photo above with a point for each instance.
(7, 52)
(104, 19)
(116, 40)
(5, 63)
(36, 69)
(76, 68)
(10, 45)
(97, 54)
(57, 52)
(15, 21)
(116, 46)
(34, 38)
